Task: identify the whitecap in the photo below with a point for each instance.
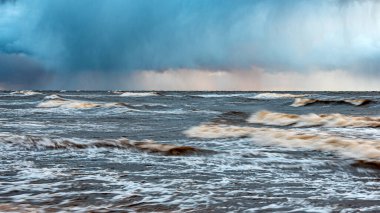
(276, 95)
(138, 94)
(25, 92)
(215, 95)
(57, 102)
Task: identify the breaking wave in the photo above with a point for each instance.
(327, 120)
(298, 102)
(55, 101)
(276, 95)
(25, 92)
(53, 96)
(32, 142)
(360, 149)
(215, 95)
(138, 94)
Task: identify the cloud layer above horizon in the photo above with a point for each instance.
(45, 44)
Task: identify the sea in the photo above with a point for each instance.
(167, 151)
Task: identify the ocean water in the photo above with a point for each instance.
(189, 151)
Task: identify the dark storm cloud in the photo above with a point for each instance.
(154, 34)
(71, 36)
(209, 34)
(18, 71)
(7, 1)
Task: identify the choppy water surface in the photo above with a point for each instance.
(189, 151)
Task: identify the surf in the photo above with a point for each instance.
(359, 149)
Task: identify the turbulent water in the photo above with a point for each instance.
(189, 151)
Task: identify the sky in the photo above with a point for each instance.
(190, 44)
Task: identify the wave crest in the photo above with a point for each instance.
(53, 96)
(298, 102)
(55, 101)
(138, 94)
(32, 142)
(25, 92)
(276, 95)
(328, 120)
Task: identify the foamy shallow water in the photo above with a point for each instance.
(232, 174)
